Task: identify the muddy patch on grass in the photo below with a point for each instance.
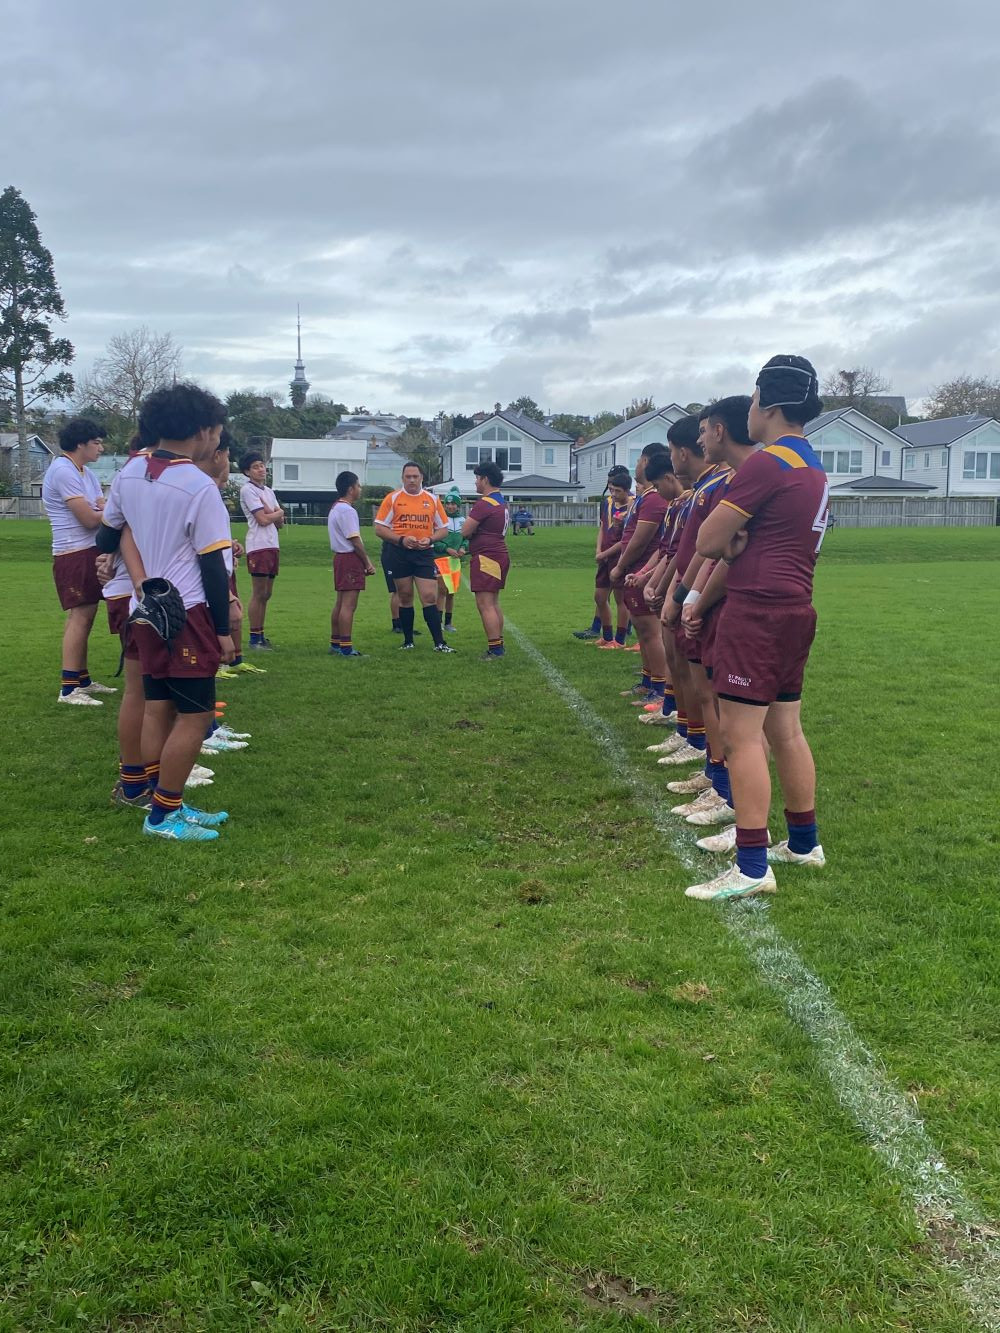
(608, 1291)
(691, 992)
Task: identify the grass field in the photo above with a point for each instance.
(431, 1039)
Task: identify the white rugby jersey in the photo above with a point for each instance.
(260, 537)
(66, 480)
(176, 514)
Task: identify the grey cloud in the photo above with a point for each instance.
(540, 326)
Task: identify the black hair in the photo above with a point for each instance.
(79, 430)
(491, 471)
(732, 414)
(658, 466)
(412, 462)
(620, 476)
(799, 414)
(248, 460)
(657, 447)
(683, 434)
(178, 412)
(225, 442)
(345, 480)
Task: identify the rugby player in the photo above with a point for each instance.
(181, 528)
(264, 517)
(408, 521)
(769, 528)
(610, 526)
(637, 542)
(351, 565)
(73, 504)
(486, 529)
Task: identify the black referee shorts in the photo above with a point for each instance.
(400, 563)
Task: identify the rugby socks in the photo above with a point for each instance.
(432, 619)
(657, 684)
(406, 623)
(494, 647)
(335, 641)
(696, 736)
(164, 803)
(682, 723)
(133, 779)
(595, 625)
(608, 635)
(718, 773)
(397, 627)
(646, 682)
(669, 702)
(447, 617)
(346, 647)
(620, 635)
(152, 775)
(85, 679)
(70, 682)
(237, 660)
(751, 851)
(257, 635)
(802, 837)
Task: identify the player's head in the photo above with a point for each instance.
(348, 486)
(82, 437)
(722, 424)
(786, 394)
(660, 472)
(452, 503)
(183, 414)
(136, 445)
(488, 478)
(620, 484)
(413, 478)
(686, 453)
(219, 461)
(253, 466)
(648, 451)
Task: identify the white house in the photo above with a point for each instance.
(622, 445)
(856, 452)
(534, 458)
(955, 455)
(40, 454)
(304, 472)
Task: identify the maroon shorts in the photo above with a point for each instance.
(636, 604)
(118, 612)
(761, 649)
(76, 579)
(348, 572)
(602, 579)
(488, 573)
(709, 625)
(195, 652)
(263, 564)
(687, 647)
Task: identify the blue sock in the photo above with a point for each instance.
(607, 635)
(720, 781)
(751, 851)
(595, 624)
(620, 635)
(802, 835)
(669, 702)
(237, 660)
(645, 683)
(70, 681)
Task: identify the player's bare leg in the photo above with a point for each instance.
(76, 633)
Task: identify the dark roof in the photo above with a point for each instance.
(943, 430)
(880, 484)
(536, 429)
(623, 427)
(824, 419)
(533, 482)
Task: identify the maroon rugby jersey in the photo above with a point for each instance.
(490, 512)
(612, 523)
(649, 507)
(783, 492)
(709, 484)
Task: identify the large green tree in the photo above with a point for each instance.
(415, 443)
(30, 300)
(966, 395)
(527, 408)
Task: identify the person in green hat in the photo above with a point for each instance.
(449, 554)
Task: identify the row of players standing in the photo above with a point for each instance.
(712, 560)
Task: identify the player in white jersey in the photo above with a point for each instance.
(73, 503)
(264, 517)
(181, 528)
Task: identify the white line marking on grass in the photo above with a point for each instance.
(965, 1240)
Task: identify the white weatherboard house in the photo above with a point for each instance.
(304, 472)
(534, 458)
(860, 456)
(955, 455)
(622, 445)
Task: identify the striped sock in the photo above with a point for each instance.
(133, 779)
(646, 683)
(70, 681)
(656, 684)
(751, 851)
(152, 775)
(495, 647)
(85, 679)
(696, 737)
(335, 641)
(165, 803)
(346, 647)
(682, 723)
(669, 702)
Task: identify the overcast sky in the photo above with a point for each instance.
(473, 200)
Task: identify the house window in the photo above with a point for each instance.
(549, 458)
(847, 461)
(911, 462)
(977, 467)
(506, 458)
(886, 457)
(927, 460)
(289, 471)
(497, 433)
(944, 458)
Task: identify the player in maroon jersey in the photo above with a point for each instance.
(768, 528)
(611, 526)
(486, 528)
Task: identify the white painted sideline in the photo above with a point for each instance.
(966, 1242)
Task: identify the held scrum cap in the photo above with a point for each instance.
(161, 608)
(787, 381)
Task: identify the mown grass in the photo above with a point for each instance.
(431, 1039)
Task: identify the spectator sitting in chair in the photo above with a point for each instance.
(524, 521)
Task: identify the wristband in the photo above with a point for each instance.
(680, 593)
(692, 596)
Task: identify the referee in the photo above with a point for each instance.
(408, 522)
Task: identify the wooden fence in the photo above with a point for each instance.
(859, 511)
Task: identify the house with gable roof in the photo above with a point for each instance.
(958, 456)
(536, 460)
(860, 456)
(621, 446)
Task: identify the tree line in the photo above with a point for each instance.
(35, 361)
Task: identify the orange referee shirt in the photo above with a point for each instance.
(412, 515)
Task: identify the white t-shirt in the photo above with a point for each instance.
(343, 524)
(119, 584)
(176, 514)
(65, 480)
(253, 497)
